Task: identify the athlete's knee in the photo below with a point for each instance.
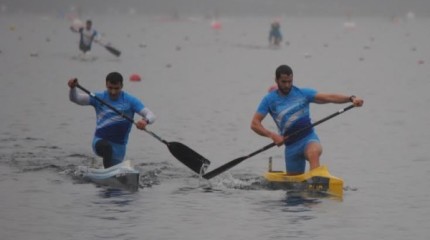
(103, 148)
(313, 150)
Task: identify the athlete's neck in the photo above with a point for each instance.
(283, 93)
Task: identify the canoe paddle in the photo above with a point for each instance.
(186, 155)
(236, 161)
(111, 49)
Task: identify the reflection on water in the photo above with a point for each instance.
(295, 198)
(117, 196)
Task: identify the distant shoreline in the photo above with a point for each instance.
(223, 8)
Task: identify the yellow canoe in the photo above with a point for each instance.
(318, 180)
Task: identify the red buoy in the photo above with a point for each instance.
(135, 77)
(216, 25)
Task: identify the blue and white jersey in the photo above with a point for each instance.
(110, 125)
(87, 36)
(290, 112)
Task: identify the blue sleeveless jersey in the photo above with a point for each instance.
(110, 125)
(291, 112)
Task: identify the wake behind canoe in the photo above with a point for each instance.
(316, 180)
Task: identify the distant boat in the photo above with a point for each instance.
(122, 176)
(316, 180)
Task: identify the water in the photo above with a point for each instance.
(204, 87)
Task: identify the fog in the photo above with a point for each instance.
(350, 8)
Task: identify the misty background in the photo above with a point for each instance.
(220, 8)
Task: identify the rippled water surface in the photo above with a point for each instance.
(204, 86)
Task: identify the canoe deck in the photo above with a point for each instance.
(318, 180)
(122, 175)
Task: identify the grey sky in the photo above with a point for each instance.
(229, 7)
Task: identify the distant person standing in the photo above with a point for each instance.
(275, 35)
(87, 35)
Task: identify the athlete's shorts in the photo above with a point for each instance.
(295, 160)
(118, 151)
(84, 48)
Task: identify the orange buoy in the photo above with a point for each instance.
(135, 77)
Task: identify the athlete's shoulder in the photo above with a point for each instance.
(101, 93)
(135, 102)
(130, 97)
(271, 95)
(307, 92)
(304, 89)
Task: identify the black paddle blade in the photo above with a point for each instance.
(113, 50)
(188, 157)
(224, 168)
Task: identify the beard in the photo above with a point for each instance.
(284, 91)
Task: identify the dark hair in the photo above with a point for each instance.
(89, 21)
(283, 69)
(114, 78)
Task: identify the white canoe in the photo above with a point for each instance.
(122, 175)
